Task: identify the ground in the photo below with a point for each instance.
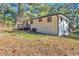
(13, 43)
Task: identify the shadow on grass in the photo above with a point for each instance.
(74, 35)
(25, 33)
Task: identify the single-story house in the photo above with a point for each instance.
(56, 24)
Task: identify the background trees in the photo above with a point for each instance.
(10, 12)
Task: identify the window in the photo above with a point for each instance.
(31, 22)
(26, 22)
(34, 29)
(61, 19)
(40, 20)
(49, 19)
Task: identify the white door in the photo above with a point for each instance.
(63, 27)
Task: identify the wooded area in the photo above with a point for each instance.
(10, 12)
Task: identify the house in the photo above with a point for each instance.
(56, 24)
(22, 23)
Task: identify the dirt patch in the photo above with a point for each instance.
(51, 46)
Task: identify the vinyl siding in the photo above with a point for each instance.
(46, 27)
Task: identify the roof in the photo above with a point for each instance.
(62, 15)
(65, 18)
(44, 16)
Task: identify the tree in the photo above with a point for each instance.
(35, 10)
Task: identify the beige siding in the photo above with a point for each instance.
(54, 24)
(44, 26)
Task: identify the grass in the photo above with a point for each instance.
(74, 35)
(23, 34)
(32, 35)
(53, 45)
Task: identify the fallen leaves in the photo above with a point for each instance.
(49, 46)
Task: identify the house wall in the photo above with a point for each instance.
(44, 26)
(26, 24)
(63, 26)
(18, 24)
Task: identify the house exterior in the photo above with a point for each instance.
(51, 24)
(56, 24)
(22, 24)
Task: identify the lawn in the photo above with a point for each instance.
(74, 35)
(29, 43)
(32, 35)
(25, 34)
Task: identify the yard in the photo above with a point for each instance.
(28, 43)
(25, 43)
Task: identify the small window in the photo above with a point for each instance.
(49, 19)
(61, 19)
(31, 22)
(26, 22)
(40, 20)
(34, 29)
